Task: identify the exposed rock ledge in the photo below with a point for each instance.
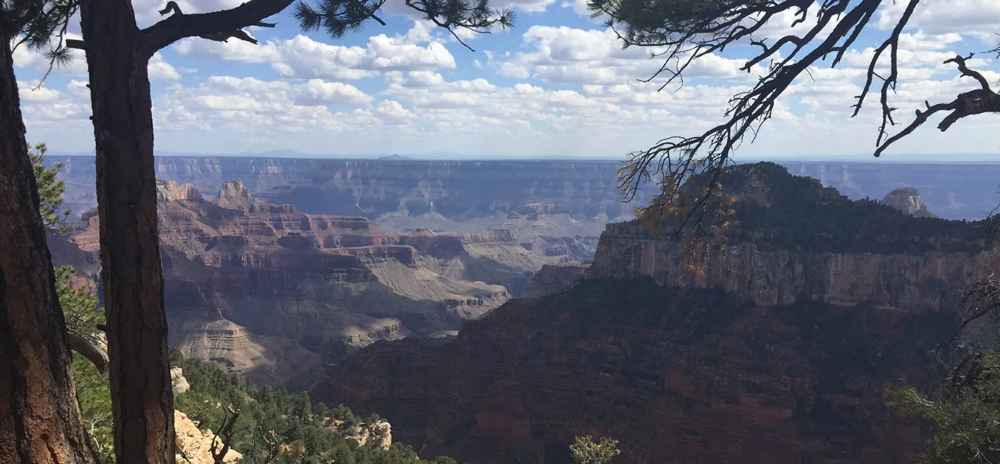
(194, 446)
(776, 277)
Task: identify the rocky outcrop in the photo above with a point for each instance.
(782, 249)
(772, 339)
(775, 277)
(907, 200)
(272, 292)
(234, 195)
(172, 191)
(178, 381)
(377, 434)
(529, 199)
(194, 446)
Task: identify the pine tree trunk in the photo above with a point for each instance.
(39, 414)
(141, 393)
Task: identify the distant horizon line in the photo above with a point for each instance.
(965, 158)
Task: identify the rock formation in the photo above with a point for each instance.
(194, 446)
(770, 340)
(794, 240)
(566, 203)
(178, 381)
(376, 434)
(908, 201)
(267, 290)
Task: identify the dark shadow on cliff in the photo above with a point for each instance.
(678, 375)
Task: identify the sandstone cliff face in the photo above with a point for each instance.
(559, 207)
(775, 276)
(271, 292)
(907, 200)
(793, 240)
(771, 341)
(194, 446)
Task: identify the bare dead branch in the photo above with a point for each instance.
(224, 436)
(678, 158)
(960, 62)
(219, 25)
(97, 356)
(973, 102)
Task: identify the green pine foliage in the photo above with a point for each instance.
(94, 396)
(585, 450)
(82, 314)
(273, 425)
(50, 189)
(80, 307)
(269, 416)
(966, 420)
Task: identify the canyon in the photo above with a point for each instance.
(531, 198)
(772, 339)
(272, 293)
(473, 195)
(494, 310)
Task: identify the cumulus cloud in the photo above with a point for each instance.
(565, 90)
(255, 108)
(32, 92)
(976, 18)
(36, 61)
(591, 56)
(159, 69)
(301, 56)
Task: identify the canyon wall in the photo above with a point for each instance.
(769, 277)
(552, 198)
(772, 340)
(447, 194)
(272, 292)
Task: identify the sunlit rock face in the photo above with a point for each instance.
(558, 206)
(772, 340)
(794, 240)
(908, 201)
(272, 292)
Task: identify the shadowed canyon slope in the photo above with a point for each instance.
(771, 341)
(270, 291)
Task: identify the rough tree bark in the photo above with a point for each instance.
(142, 399)
(39, 414)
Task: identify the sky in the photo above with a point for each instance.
(558, 83)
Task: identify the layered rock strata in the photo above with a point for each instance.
(772, 338)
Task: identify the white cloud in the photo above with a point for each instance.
(393, 111)
(590, 56)
(76, 66)
(334, 92)
(570, 90)
(160, 69)
(255, 109)
(302, 56)
(976, 18)
(32, 92)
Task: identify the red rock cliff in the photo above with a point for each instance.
(771, 342)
